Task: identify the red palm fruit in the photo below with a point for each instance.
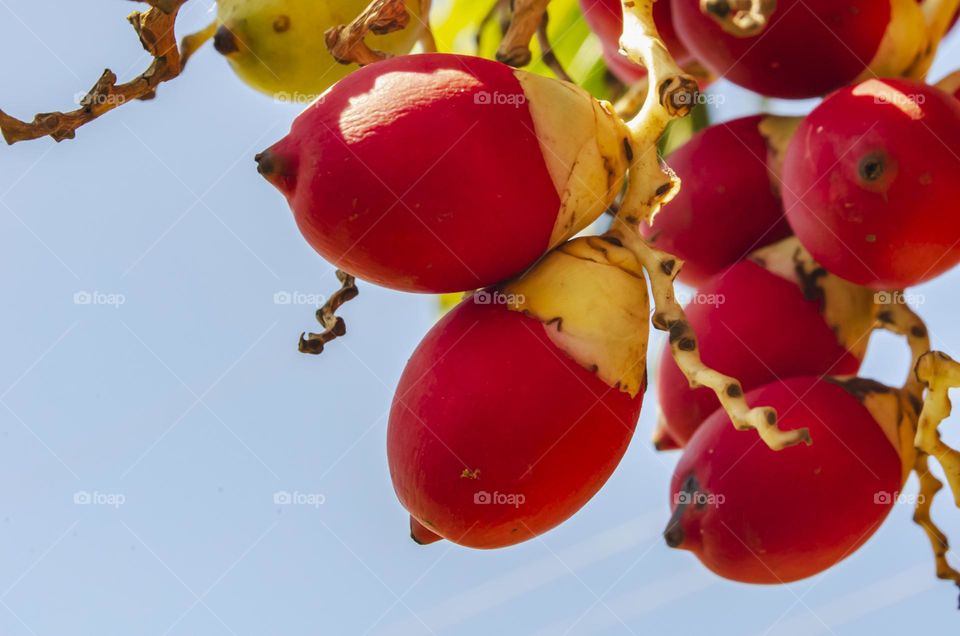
(743, 319)
(505, 424)
(807, 47)
(870, 181)
(729, 204)
(757, 516)
(605, 18)
(442, 173)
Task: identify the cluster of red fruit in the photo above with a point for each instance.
(442, 173)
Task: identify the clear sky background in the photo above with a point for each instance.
(187, 406)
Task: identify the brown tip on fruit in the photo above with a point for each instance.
(225, 41)
(421, 535)
(673, 535)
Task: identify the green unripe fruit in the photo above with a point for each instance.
(278, 47)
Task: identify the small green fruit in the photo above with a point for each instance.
(278, 48)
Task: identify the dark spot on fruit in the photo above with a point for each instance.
(719, 8)
(470, 474)
(281, 24)
(872, 167)
(225, 41)
(734, 390)
(771, 418)
(673, 535)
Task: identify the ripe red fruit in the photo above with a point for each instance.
(505, 423)
(442, 173)
(496, 435)
(870, 181)
(728, 206)
(756, 516)
(808, 47)
(757, 326)
(605, 18)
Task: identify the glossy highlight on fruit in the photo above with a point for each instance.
(809, 47)
(605, 18)
(756, 326)
(278, 47)
(729, 204)
(443, 173)
(756, 516)
(872, 180)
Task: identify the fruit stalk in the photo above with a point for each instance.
(347, 43)
(929, 487)
(938, 15)
(672, 93)
(155, 28)
(741, 18)
(528, 15)
(668, 316)
(939, 373)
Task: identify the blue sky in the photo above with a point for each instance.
(177, 402)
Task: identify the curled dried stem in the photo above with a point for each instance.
(527, 17)
(347, 43)
(155, 28)
(673, 93)
(939, 373)
(740, 18)
(929, 487)
(334, 326)
(662, 269)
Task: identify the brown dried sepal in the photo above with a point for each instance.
(939, 373)
(155, 28)
(334, 326)
(347, 43)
